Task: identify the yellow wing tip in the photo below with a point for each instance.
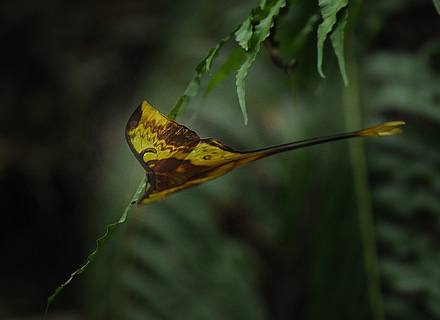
(383, 129)
(146, 105)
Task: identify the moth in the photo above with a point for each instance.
(175, 157)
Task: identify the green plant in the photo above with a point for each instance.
(146, 282)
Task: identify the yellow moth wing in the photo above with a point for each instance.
(174, 157)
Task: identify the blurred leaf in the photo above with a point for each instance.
(172, 274)
(194, 85)
(304, 33)
(408, 187)
(230, 65)
(437, 5)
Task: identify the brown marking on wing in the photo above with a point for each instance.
(133, 122)
(153, 133)
(148, 130)
(215, 143)
(172, 175)
(171, 132)
(167, 174)
(175, 158)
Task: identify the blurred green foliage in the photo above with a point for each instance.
(281, 239)
(407, 190)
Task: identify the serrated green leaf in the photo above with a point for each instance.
(194, 85)
(214, 52)
(230, 65)
(337, 38)
(261, 32)
(244, 33)
(241, 76)
(100, 243)
(329, 10)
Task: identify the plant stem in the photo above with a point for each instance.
(353, 119)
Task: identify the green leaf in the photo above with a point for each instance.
(337, 38)
(99, 243)
(248, 40)
(437, 5)
(175, 111)
(244, 33)
(194, 85)
(329, 10)
(229, 66)
(240, 82)
(261, 32)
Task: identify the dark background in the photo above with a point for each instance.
(72, 73)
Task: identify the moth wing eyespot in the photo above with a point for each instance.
(148, 154)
